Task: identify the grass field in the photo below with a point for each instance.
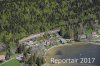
(2, 53)
(13, 62)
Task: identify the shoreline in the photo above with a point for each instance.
(69, 44)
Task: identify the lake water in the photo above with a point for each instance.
(87, 55)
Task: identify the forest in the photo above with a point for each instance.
(21, 18)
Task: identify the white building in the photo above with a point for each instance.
(62, 40)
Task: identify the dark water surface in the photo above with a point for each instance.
(78, 51)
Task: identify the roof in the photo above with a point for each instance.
(2, 57)
(63, 40)
(94, 33)
(83, 36)
(98, 30)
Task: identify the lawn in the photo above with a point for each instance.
(2, 52)
(13, 62)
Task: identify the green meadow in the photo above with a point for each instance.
(12, 62)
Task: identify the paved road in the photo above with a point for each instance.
(37, 35)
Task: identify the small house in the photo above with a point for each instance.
(94, 35)
(83, 36)
(69, 40)
(63, 41)
(2, 57)
(98, 31)
(19, 57)
(33, 39)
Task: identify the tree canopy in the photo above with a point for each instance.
(24, 17)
